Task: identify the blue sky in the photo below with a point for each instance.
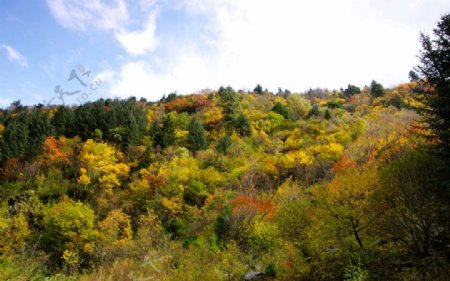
(147, 48)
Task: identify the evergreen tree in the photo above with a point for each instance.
(62, 121)
(230, 104)
(242, 126)
(224, 144)
(156, 134)
(351, 90)
(258, 89)
(39, 127)
(376, 89)
(281, 109)
(133, 136)
(434, 83)
(15, 139)
(168, 132)
(196, 138)
(85, 121)
(327, 114)
(315, 111)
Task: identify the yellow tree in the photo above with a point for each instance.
(343, 203)
(69, 231)
(115, 233)
(101, 161)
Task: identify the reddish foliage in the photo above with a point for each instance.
(188, 104)
(14, 169)
(179, 105)
(351, 99)
(201, 102)
(52, 152)
(265, 207)
(343, 164)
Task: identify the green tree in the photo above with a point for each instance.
(155, 134)
(376, 89)
(281, 109)
(39, 127)
(167, 132)
(230, 104)
(434, 84)
(258, 89)
(242, 126)
(196, 138)
(62, 121)
(15, 139)
(69, 226)
(351, 90)
(224, 144)
(416, 210)
(315, 111)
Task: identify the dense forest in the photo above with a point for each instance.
(348, 184)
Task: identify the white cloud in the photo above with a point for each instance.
(291, 44)
(14, 55)
(139, 42)
(82, 14)
(108, 16)
(140, 79)
(146, 5)
(306, 44)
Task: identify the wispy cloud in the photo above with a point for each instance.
(140, 42)
(298, 44)
(188, 72)
(81, 14)
(113, 16)
(14, 55)
(289, 44)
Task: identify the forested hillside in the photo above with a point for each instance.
(350, 184)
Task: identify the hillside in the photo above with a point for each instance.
(324, 185)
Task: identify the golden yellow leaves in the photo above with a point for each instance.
(97, 156)
(331, 151)
(13, 233)
(115, 229)
(101, 161)
(173, 205)
(295, 157)
(83, 179)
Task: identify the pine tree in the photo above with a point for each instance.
(315, 111)
(376, 89)
(196, 138)
(258, 89)
(62, 121)
(224, 144)
(15, 139)
(281, 109)
(434, 84)
(230, 104)
(156, 134)
(39, 128)
(351, 90)
(242, 126)
(168, 132)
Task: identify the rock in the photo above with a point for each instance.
(253, 275)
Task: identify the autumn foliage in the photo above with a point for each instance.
(321, 185)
